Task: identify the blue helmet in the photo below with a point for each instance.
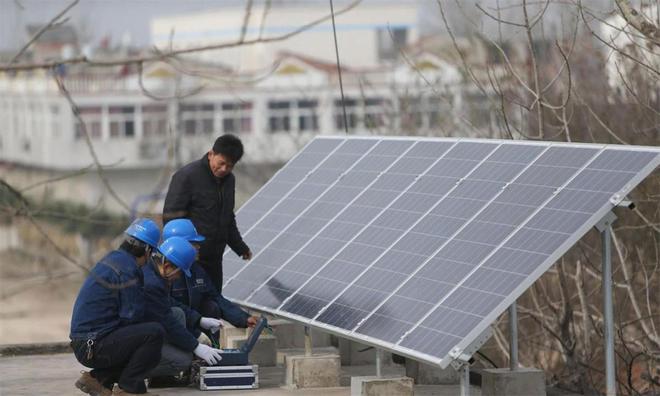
(179, 252)
(183, 228)
(144, 230)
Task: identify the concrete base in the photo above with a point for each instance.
(356, 354)
(283, 353)
(230, 331)
(521, 382)
(381, 386)
(320, 371)
(264, 352)
(425, 374)
(292, 335)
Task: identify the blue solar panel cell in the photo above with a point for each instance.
(622, 160)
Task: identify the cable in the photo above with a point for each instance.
(341, 84)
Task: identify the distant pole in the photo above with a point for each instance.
(513, 337)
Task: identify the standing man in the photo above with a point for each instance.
(203, 191)
(108, 331)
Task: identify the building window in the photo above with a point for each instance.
(307, 117)
(374, 113)
(92, 117)
(351, 114)
(279, 116)
(389, 41)
(237, 117)
(55, 122)
(122, 121)
(154, 120)
(197, 119)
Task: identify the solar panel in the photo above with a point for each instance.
(418, 245)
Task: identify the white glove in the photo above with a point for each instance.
(210, 355)
(210, 324)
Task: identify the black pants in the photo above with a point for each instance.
(213, 267)
(124, 356)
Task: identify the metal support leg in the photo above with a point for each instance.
(308, 341)
(513, 337)
(379, 362)
(605, 228)
(465, 380)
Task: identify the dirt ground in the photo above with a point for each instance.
(37, 298)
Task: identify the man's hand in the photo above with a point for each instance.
(211, 324)
(247, 256)
(252, 321)
(210, 355)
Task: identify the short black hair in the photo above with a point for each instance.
(230, 146)
(134, 247)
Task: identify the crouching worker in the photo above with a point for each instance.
(201, 301)
(175, 256)
(108, 330)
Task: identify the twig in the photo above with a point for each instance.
(172, 53)
(41, 31)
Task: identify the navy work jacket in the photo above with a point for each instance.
(191, 293)
(159, 309)
(110, 297)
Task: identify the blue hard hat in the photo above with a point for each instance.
(144, 230)
(183, 228)
(179, 252)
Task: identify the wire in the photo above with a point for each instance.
(341, 84)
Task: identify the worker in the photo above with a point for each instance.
(203, 191)
(108, 329)
(174, 257)
(197, 295)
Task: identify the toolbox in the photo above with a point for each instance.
(234, 370)
(227, 377)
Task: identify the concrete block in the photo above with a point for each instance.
(282, 353)
(356, 354)
(230, 331)
(264, 352)
(320, 371)
(292, 335)
(381, 386)
(521, 382)
(425, 374)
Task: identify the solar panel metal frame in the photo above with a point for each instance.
(485, 323)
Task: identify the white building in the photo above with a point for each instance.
(367, 35)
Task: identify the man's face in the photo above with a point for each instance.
(220, 165)
(196, 245)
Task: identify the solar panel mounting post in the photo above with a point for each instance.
(308, 341)
(605, 229)
(379, 362)
(465, 379)
(513, 337)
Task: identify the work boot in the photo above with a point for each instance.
(91, 386)
(119, 391)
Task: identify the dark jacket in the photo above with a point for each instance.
(191, 293)
(159, 309)
(196, 194)
(111, 297)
